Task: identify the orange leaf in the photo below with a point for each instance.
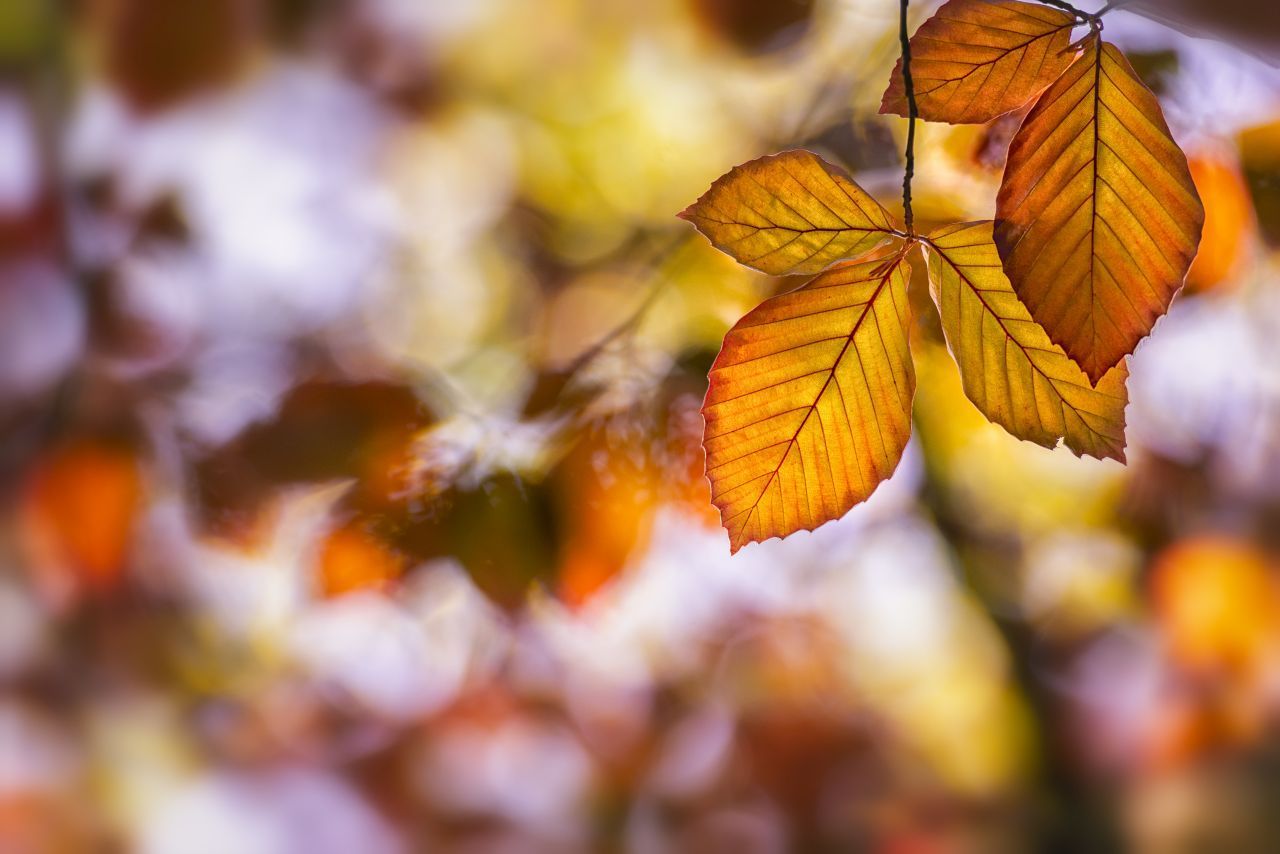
(1097, 218)
(1011, 371)
(976, 59)
(789, 214)
(809, 406)
(80, 506)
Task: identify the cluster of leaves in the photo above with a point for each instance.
(1097, 221)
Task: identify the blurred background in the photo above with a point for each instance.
(351, 495)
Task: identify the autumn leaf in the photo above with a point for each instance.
(789, 214)
(976, 59)
(1097, 219)
(809, 406)
(1010, 369)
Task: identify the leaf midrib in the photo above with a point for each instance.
(867, 308)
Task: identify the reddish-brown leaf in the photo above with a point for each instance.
(1097, 219)
(976, 59)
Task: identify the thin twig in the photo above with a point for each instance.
(912, 113)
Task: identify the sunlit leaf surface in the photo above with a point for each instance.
(1012, 372)
(809, 406)
(976, 59)
(789, 213)
(1097, 219)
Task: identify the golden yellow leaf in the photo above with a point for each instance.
(1097, 218)
(976, 59)
(809, 406)
(789, 214)
(1011, 371)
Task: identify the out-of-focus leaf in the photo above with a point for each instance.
(859, 142)
(1252, 24)
(976, 59)
(503, 533)
(352, 558)
(1229, 222)
(1154, 68)
(26, 30)
(79, 511)
(789, 214)
(992, 145)
(755, 26)
(1097, 219)
(159, 52)
(324, 430)
(1260, 160)
(1011, 371)
(606, 495)
(809, 406)
(1217, 603)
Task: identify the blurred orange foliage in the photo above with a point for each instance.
(79, 510)
(1216, 601)
(1229, 223)
(607, 498)
(353, 559)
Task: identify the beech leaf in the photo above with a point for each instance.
(977, 59)
(809, 404)
(1010, 369)
(789, 214)
(1097, 219)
